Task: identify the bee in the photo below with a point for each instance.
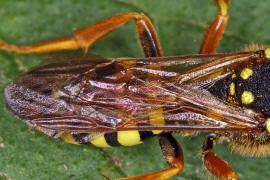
(110, 102)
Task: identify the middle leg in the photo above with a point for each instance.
(215, 31)
(86, 37)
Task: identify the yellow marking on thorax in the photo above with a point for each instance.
(246, 73)
(267, 53)
(156, 118)
(100, 141)
(268, 125)
(232, 89)
(129, 138)
(247, 97)
(231, 99)
(233, 76)
(67, 137)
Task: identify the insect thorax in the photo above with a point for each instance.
(250, 144)
(247, 87)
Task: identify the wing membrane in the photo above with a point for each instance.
(189, 112)
(107, 95)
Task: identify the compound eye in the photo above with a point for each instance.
(267, 125)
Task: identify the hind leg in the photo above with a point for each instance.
(215, 164)
(172, 153)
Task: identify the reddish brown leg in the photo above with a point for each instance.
(215, 164)
(216, 29)
(173, 154)
(86, 37)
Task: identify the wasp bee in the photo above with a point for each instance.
(110, 102)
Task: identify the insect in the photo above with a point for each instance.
(110, 102)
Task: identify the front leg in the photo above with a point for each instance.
(215, 164)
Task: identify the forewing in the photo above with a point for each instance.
(182, 109)
(100, 95)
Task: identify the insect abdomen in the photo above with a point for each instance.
(119, 138)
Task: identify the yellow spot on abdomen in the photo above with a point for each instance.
(157, 119)
(268, 125)
(247, 97)
(267, 53)
(67, 137)
(186, 134)
(100, 141)
(129, 138)
(232, 89)
(233, 76)
(246, 73)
